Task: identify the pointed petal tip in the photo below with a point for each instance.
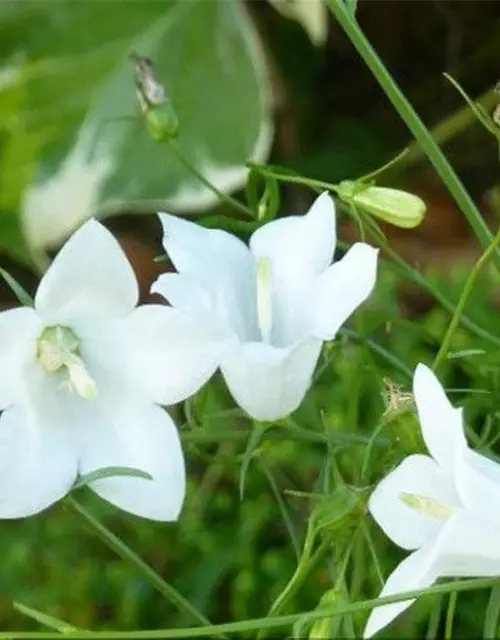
(165, 216)
(369, 630)
(422, 371)
(440, 422)
(324, 204)
(424, 379)
(73, 283)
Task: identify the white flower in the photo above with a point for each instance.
(80, 376)
(266, 308)
(444, 507)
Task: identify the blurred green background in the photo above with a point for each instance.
(247, 83)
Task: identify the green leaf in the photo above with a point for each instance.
(19, 291)
(110, 472)
(77, 100)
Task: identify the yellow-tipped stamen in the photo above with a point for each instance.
(427, 506)
(264, 305)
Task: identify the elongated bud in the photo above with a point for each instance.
(326, 627)
(399, 208)
(161, 119)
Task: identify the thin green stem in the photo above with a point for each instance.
(434, 619)
(304, 567)
(449, 127)
(256, 624)
(203, 436)
(287, 520)
(371, 548)
(413, 122)
(469, 283)
(46, 620)
(19, 291)
(220, 194)
(379, 350)
(119, 547)
(492, 615)
(450, 615)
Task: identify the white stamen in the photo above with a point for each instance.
(80, 380)
(58, 351)
(264, 307)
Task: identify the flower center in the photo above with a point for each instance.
(427, 506)
(58, 351)
(264, 307)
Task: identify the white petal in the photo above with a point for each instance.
(419, 476)
(417, 571)
(342, 289)
(19, 329)
(141, 436)
(267, 382)
(156, 352)
(478, 482)
(171, 354)
(298, 249)
(185, 294)
(441, 423)
(221, 265)
(467, 546)
(305, 242)
(90, 275)
(38, 463)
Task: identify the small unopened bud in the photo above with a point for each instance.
(399, 208)
(162, 123)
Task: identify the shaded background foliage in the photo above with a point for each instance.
(231, 558)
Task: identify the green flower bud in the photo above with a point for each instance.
(162, 123)
(161, 119)
(342, 508)
(400, 208)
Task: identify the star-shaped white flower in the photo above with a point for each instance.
(80, 378)
(444, 507)
(266, 309)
